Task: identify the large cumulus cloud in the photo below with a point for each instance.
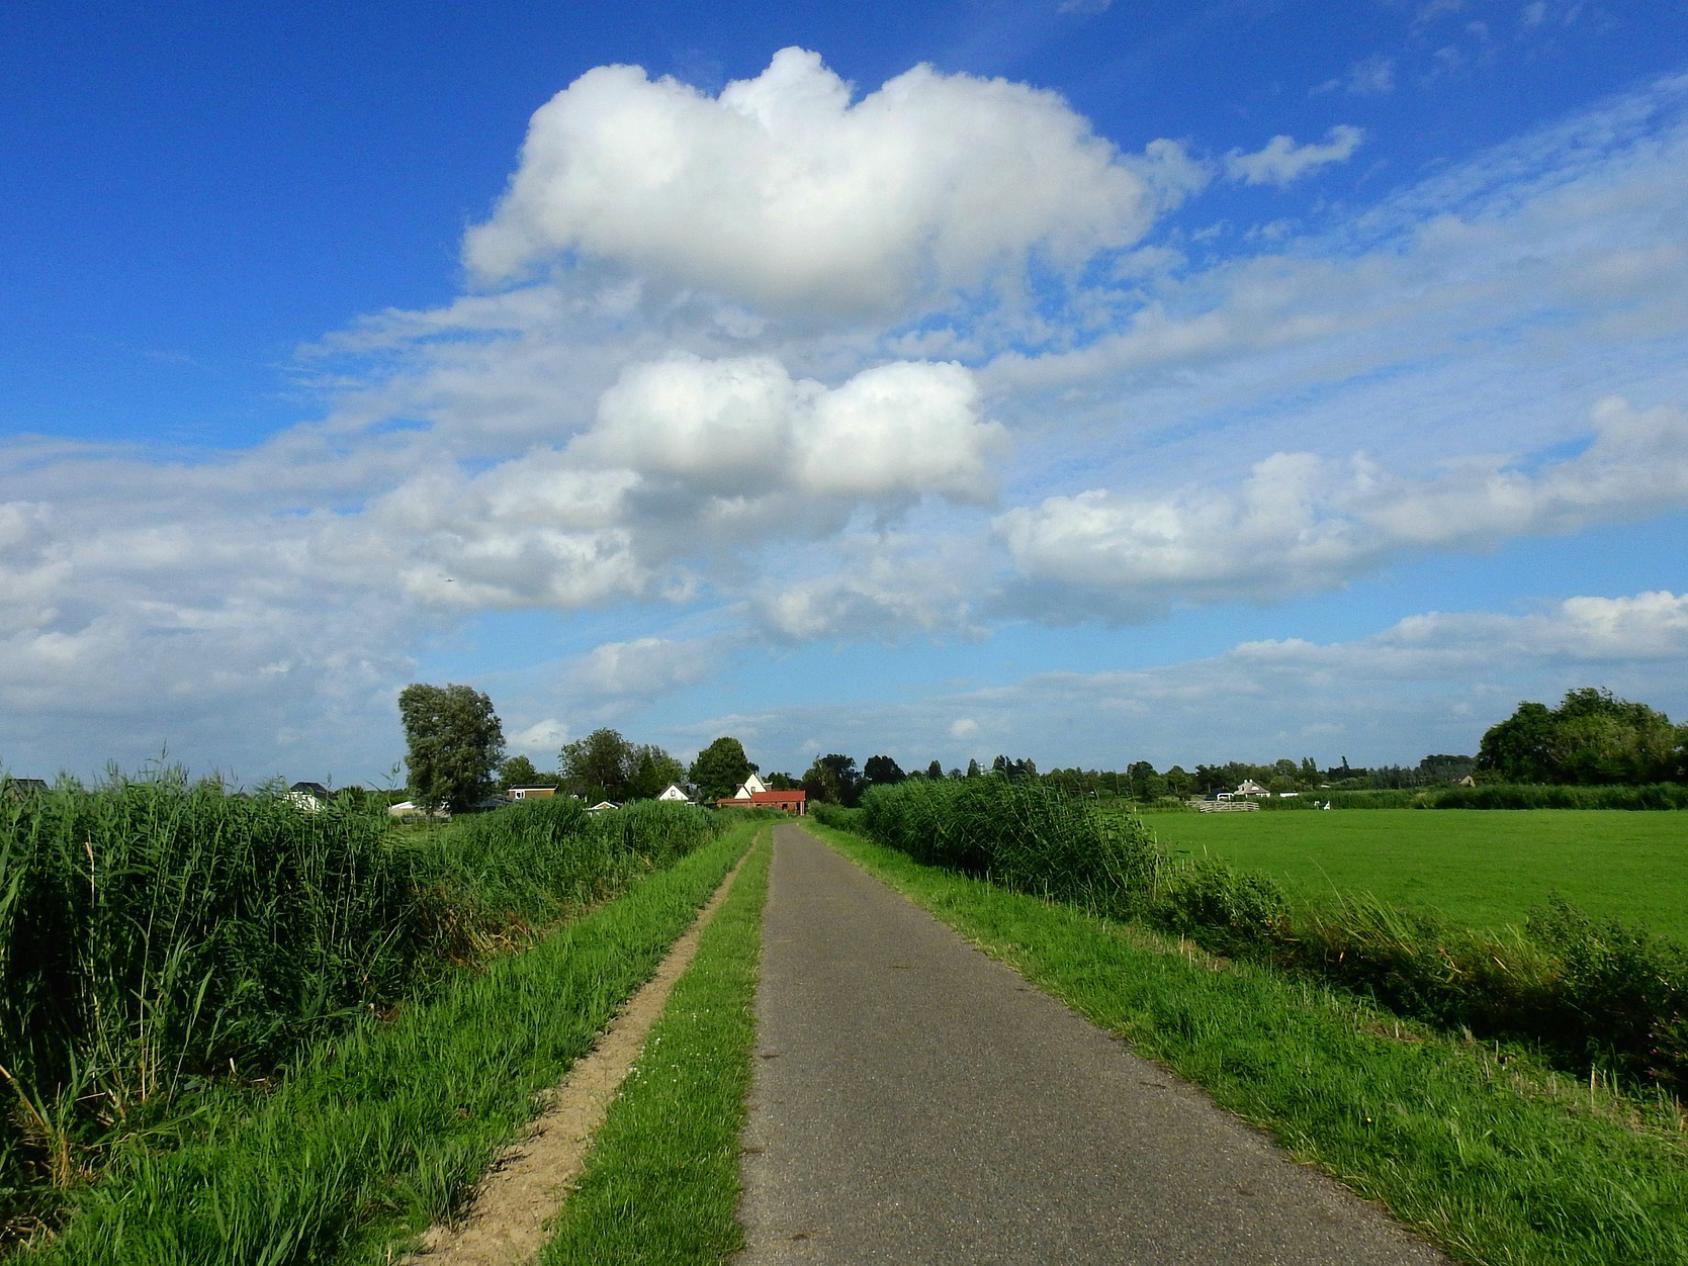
(785, 192)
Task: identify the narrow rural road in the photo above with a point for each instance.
(916, 1102)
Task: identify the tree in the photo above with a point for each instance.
(720, 769)
(1141, 775)
(1179, 782)
(519, 771)
(781, 782)
(972, 769)
(935, 771)
(833, 778)
(653, 770)
(599, 766)
(453, 743)
(1591, 737)
(882, 771)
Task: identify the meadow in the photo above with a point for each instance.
(1481, 868)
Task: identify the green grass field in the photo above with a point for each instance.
(1480, 868)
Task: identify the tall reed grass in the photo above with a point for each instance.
(156, 934)
(1587, 991)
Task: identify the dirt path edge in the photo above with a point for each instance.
(527, 1184)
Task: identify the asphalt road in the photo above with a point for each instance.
(917, 1102)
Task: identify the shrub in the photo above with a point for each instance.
(1024, 835)
(1221, 908)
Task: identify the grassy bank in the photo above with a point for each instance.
(1480, 869)
(1590, 992)
(662, 1184)
(159, 940)
(1491, 1154)
(382, 1130)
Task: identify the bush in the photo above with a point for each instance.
(835, 816)
(1024, 835)
(1220, 908)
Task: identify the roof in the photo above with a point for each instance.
(795, 796)
(18, 788)
(313, 789)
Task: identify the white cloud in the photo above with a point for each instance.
(785, 193)
(1372, 76)
(1428, 683)
(736, 426)
(1300, 523)
(878, 587)
(1282, 161)
(643, 668)
(544, 738)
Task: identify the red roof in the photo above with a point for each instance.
(797, 796)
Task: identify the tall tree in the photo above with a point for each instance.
(519, 771)
(935, 771)
(453, 743)
(882, 771)
(720, 769)
(599, 766)
(833, 778)
(653, 770)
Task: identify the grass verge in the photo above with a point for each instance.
(384, 1131)
(662, 1183)
(1484, 1150)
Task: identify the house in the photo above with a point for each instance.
(673, 792)
(310, 796)
(794, 802)
(749, 787)
(1248, 787)
(21, 789)
(601, 806)
(1467, 781)
(531, 793)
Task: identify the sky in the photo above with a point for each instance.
(1077, 380)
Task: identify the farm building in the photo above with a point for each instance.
(1248, 787)
(21, 788)
(749, 787)
(532, 793)
(794, 802)
(674, 792)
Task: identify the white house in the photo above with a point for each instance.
(673, 792)
(1248, 787)
(601, 806)
(310, 796)
(751, 786)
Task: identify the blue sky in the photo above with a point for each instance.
(1085, 381)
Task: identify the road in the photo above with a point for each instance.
(917, 1102)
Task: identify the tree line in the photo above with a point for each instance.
(455, 755)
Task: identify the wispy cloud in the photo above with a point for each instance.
(1281, 161)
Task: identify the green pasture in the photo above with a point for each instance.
(1483, 868)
